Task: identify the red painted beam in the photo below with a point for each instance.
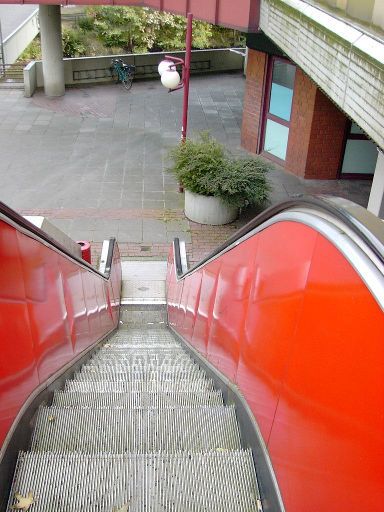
(242, 15)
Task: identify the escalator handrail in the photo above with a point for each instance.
(38, 234)
(364, 224)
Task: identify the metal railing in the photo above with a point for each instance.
(12, 72)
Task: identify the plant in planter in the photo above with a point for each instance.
(216, 184)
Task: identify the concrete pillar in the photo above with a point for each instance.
(52, 51)
(376, 198)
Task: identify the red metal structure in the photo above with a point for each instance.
(244, 15)
(53, 308)
(287, 318)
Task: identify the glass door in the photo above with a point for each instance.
(278, 114)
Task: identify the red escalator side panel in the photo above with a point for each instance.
(51, 309)
(48, 318)
(286, 317)
(328, 430)
(281, 264)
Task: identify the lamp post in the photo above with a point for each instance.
(170, 78)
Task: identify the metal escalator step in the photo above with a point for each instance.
(140, 386)
(144, 399)
(149, 335)
(138, 347)
(189, 482)
(125, 367)
(139, 430)
(166, 373)
(141, 357)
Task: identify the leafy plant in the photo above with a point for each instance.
(72, 44)
(194, 162)
(241, 182)
(204, 167)
(32, 51)
(85, 23)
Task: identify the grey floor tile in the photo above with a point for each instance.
(154, 231)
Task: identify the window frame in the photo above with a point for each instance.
(265, 108)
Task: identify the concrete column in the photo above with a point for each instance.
(376, 198)
(52, 51)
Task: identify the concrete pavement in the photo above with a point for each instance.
(94, 161)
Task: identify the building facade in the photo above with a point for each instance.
(314, 88)
(289, 120)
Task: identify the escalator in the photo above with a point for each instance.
(139, 427)
(254, 383)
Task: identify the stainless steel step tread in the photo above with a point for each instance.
(142, 430)
(139, 386)
(161, 374)
(146, 399)
(213, 481)
(142, 359)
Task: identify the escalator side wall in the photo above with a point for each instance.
(286, 317)
(51, 309)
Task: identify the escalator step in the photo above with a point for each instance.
(139, 354)
(110, 374)
(140, 430)
(140, 386)
(144, 399)
(213, 481)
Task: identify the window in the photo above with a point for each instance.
(360, 154)
(277, 120)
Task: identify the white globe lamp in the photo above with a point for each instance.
(164, 66)
(170, 79)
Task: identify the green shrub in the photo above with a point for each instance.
(85, 23)
(241, 182)
(195, 161)
(204, 167)
(73, 45)
(32, 51)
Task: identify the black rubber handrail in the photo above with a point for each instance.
(23, 223)
(363, 223)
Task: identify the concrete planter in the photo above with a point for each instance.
(208, 209)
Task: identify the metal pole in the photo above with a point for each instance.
(2, 72)
(186, 70)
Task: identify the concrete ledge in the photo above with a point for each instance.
(346, 63)
(89, 70)
(30, 79)
(55, 233)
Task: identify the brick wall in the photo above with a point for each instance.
(327, 139)
(254, 86)
(316, 136)
(303, 104)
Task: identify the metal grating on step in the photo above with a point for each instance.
(211, 481)
(140, 386)
(193, 373)
(140, 430)
(143, 399)
(141, 355)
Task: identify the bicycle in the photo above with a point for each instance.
(122, 72)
